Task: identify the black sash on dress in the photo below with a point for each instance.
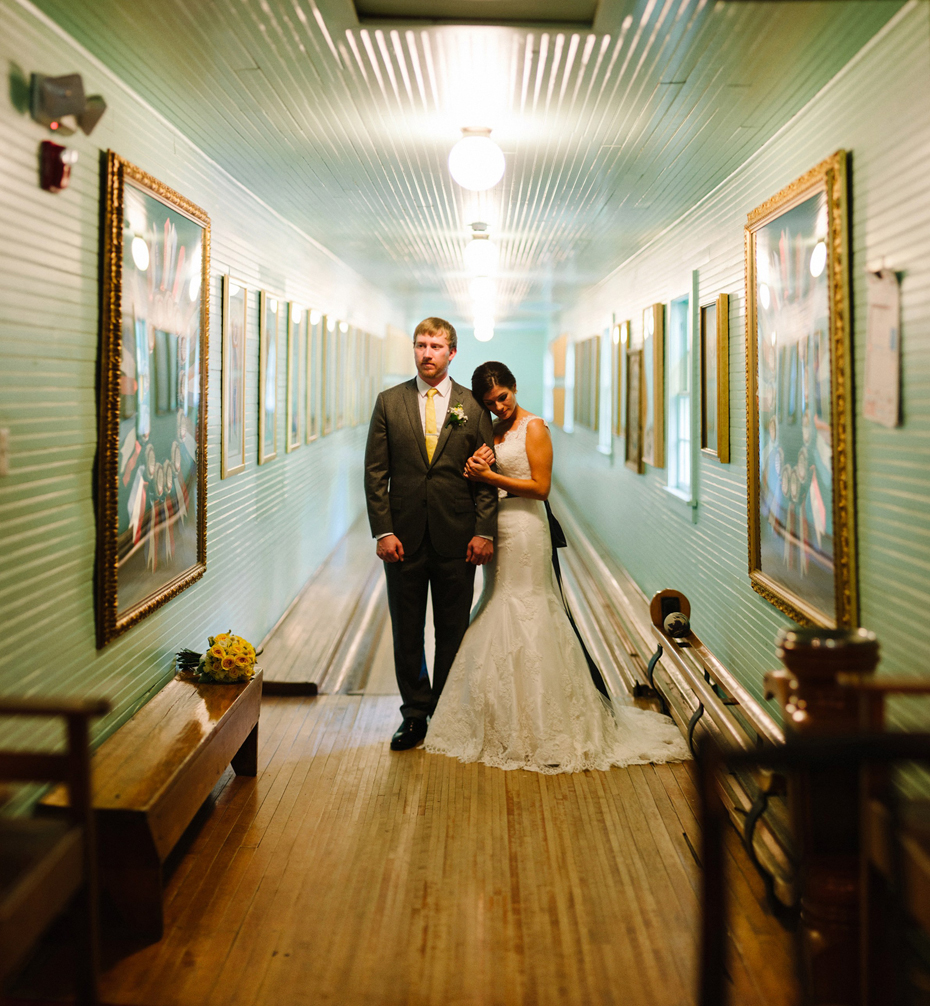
(559, 541)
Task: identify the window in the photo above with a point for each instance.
(679, 397)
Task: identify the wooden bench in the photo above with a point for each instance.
(151, 777)
(46, 864)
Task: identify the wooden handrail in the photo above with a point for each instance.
(888, 686)
(676, 648)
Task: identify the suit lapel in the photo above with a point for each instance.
(413, 414)
(455, 396)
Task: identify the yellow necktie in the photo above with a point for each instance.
(429, 423)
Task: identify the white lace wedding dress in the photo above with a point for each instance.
(519, 694)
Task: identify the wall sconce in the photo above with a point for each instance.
(52, 99)
(55, 163)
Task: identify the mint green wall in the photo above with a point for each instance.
(522, 351)
(877, 107)
(268, 528)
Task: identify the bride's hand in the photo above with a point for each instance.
(485, 454)
(476, 469)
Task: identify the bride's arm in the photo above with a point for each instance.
(539, 454)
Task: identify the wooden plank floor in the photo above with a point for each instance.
(345, 873)
(303, 644)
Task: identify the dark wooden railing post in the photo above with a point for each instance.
(824, 804)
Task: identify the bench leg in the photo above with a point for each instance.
(245, 760)
(131, 875)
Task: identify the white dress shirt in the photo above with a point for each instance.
(440, 401)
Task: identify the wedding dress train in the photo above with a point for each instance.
(519, 694)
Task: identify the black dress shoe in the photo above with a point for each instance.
(409, 733)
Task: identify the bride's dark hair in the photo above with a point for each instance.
(491, 375)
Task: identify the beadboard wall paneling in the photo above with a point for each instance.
(268, 528)
(878, 108)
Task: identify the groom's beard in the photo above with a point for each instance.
(431, 371)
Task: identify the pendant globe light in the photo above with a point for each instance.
(476, 162)
(481, 253)
(484, 331)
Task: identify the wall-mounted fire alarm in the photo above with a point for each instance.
(55, 163)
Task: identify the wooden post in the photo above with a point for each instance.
(824, 805)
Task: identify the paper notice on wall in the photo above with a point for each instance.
(883, 350)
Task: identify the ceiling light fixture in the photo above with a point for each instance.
(481, 254)
(476, 162)
(484, 332)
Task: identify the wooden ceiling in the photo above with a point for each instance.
(609, 134)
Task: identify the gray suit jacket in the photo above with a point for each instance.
(405, 491)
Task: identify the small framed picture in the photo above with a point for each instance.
(715, 389)
(235, 309)
(314, 381)
(296, 321)
(621, 344)
(653, 370)
(329, 332)
(269, 312)
(634, 411)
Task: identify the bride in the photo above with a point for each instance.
(519, 694)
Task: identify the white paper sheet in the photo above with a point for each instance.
(883, 350)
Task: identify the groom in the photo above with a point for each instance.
(432, 525)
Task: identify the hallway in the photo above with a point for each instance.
(348, 874)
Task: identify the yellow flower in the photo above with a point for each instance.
(228, 663)
(217, 652)
(222, 638)
(243, 661)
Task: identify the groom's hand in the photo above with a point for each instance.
(480, 551)
(390, 548)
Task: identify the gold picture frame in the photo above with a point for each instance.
(235, 343)
(715, 388)
(621, 344)
(313, 383)
(270, 309)
(653, 370)
(800, 492)
(152, 453)
(635, 411)
(296, 329)
(587, 383)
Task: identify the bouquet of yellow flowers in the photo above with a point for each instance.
(229, 659)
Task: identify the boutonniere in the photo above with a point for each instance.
(457, 415)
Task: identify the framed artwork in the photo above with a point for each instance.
(653, 369)
(799, 400)
(587, 383)
(295, 329)
(313, 379)
(559, 349)
(634, 412)
(621, 341)
(328, 374)
(351, 375)
(235, 308)
(269, 311)
(715, 390)
(151, 519)
(342, 352)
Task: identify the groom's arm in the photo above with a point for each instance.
(377, 472)
(485, 495)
